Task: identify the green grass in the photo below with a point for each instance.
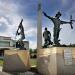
(1, 62)
(33, 62)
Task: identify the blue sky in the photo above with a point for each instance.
(12, 11)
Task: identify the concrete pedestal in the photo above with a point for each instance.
(56, 61)
(16, 60)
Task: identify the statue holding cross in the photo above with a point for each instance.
(57, 22)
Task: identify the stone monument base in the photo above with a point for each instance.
(16, 61)
(56, 61)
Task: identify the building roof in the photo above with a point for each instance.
(6, 48)
(6, 38)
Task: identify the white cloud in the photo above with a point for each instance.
(33, 44)
(11, 12)
(2, 19)
(67, 35)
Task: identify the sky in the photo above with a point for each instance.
(12, 11)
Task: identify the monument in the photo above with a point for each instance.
(39, 26)
(17, 60)
(56, 60)
(57, 22)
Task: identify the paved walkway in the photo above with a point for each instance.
(3, 73)
(25, 73)
(0, 68)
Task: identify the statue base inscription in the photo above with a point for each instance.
(16, 61)
(56, 61)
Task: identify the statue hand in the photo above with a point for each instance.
(44, 13)
(71, 24)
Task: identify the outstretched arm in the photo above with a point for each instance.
(47, 15)
(64, 22)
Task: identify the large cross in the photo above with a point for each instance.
(71, 20)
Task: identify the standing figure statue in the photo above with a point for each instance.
(57, 22)
(47, 38)
(20, 31)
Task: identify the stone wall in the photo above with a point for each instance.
(16, 61)
(56, 61)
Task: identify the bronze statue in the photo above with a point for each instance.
(47, 38)
(21, 31)
(57, 22)
(20, 42)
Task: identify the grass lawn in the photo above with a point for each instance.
(33, 62)
(1, 62)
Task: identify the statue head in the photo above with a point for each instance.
(58, 14)
(46, 28)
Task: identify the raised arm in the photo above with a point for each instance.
(47, 16)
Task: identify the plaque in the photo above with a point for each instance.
(68, 56)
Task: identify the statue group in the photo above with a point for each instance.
(46, 34)
(57, 22)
